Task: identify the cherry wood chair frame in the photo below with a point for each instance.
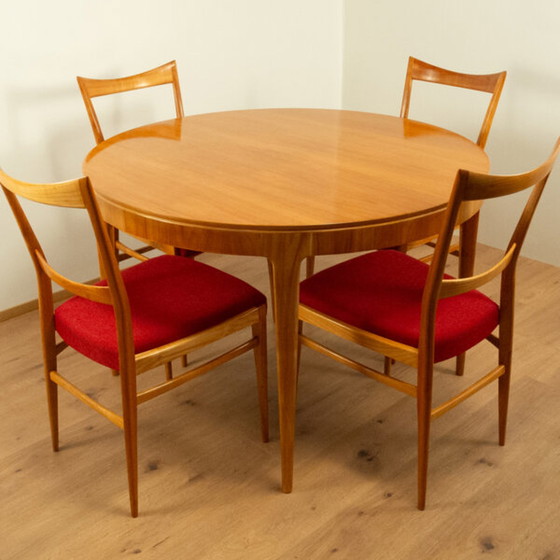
(79, 194)
(489, 83)
(469, 186)
(422, 71)
(90, 88)
(493, 84)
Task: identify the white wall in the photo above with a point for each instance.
(478, 36)
(231, 54)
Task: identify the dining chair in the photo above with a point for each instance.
(91, 88)
(136, 319)
(422, 71)
(493, 84)
(411, 311)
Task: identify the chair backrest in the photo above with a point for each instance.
(490, 83)
(471, 186)
(90, 88)
(76, 193)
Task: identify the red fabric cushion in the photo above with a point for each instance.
(381, 292)
(170, 298)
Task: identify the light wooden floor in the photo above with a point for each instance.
(210, 490)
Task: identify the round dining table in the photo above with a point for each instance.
(284, 184)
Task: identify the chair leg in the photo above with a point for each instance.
(503, 400)
(261, 360)
(130, 428)
(505, 357)
(460, 364)
(423, 452)
(300, 332)
(50, 364)
(309, 266)
(131, 450)
(272, 288)
(185, 361)
(114, 236)
(387, 365)
(466, 253)
(52, 403)
(168, 371)
(424, 409)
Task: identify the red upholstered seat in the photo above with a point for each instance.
(381, 292)
(170, 298)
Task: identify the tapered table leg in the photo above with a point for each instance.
(285, 273)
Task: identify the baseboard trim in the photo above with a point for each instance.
(33, 305)
(18, 310)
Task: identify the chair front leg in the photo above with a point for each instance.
(424, 410)
(130, 428)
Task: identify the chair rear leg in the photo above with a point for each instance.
(309, 266)
(460, 364)
(52, 403)
(50, 364)
(261, 360)
(505, 358)
(387, 364)
(423, 453)
(503, 400)
(131, 450)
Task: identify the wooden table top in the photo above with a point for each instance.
(281, 169)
